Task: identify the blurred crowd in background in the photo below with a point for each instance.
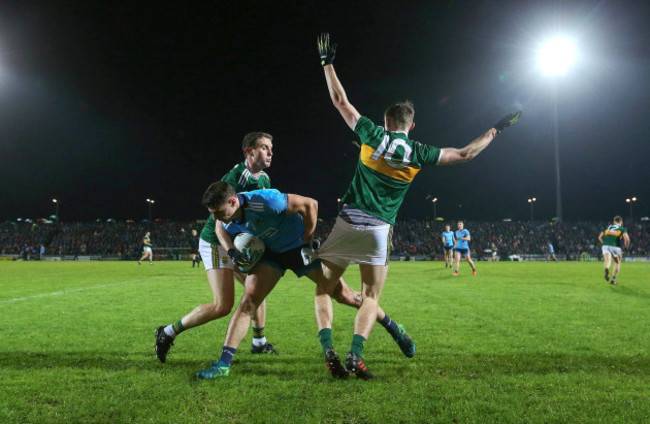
(410, 238)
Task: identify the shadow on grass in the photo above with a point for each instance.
(627, 291)
(285, 367)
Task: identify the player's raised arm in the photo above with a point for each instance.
(308, 208)
(327, 51)
(449, 155)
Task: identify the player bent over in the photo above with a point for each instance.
(613, 239)
(388, 163)
(463, 238)
(286, 223)
(257, 148)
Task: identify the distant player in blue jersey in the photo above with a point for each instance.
(550, 251)
(462, 247)
(286, 224)
(448, 245)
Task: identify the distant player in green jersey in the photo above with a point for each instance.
(614, 238)
(146, 248)
(246, 176)
(387, 164)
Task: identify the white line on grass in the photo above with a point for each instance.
(56, 293)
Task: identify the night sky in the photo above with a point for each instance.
(105, 104)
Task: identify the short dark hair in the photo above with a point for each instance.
(618, 219)
(250, 140)
(217, 194)
(402, 113)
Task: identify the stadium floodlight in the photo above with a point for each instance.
(556, 56)
(630, 201)
(434, 201)
(532, 201)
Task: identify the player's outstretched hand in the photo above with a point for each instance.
(238, 258)
(326, 50)
(506, 121)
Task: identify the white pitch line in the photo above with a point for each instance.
(56, 293)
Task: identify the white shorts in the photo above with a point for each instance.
(356, 244)
(214, 256)
(613, 250)
(146, 249)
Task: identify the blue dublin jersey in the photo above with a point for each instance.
(265, 216)
(449, 238)
(460, 243)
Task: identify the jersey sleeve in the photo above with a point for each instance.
(367, 130)
(271, 201)
(427, 154)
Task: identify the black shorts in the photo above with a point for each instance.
(291, 259)
(448, 248)
(463, 252)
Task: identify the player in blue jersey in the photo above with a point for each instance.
(461, 247)
(448, 246)
(550, 251)
(286, 224)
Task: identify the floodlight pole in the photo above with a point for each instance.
(434, 201)
(56, 209)
(532, 202)
(630, 201)
(558, 188)
(150, 202)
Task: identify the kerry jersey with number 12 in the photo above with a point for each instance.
(388, 162)
(241, 179)
(614, 235)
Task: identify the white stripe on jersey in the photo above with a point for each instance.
(244, 177)
(256, 206)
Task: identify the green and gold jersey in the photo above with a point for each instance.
(241, 179)
(613, 235)
(388, 162)
(146, 241)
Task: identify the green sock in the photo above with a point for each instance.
(358, 342)
(178, 327)
(325, 338)
(259, 332)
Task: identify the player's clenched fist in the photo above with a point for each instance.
(326, 50)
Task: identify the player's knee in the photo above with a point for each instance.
(221, 308)
(248, 305)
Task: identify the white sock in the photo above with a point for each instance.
(169, 330)
(259, 342)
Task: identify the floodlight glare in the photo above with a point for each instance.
(556, 56)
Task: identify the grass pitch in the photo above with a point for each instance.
(519, 342)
